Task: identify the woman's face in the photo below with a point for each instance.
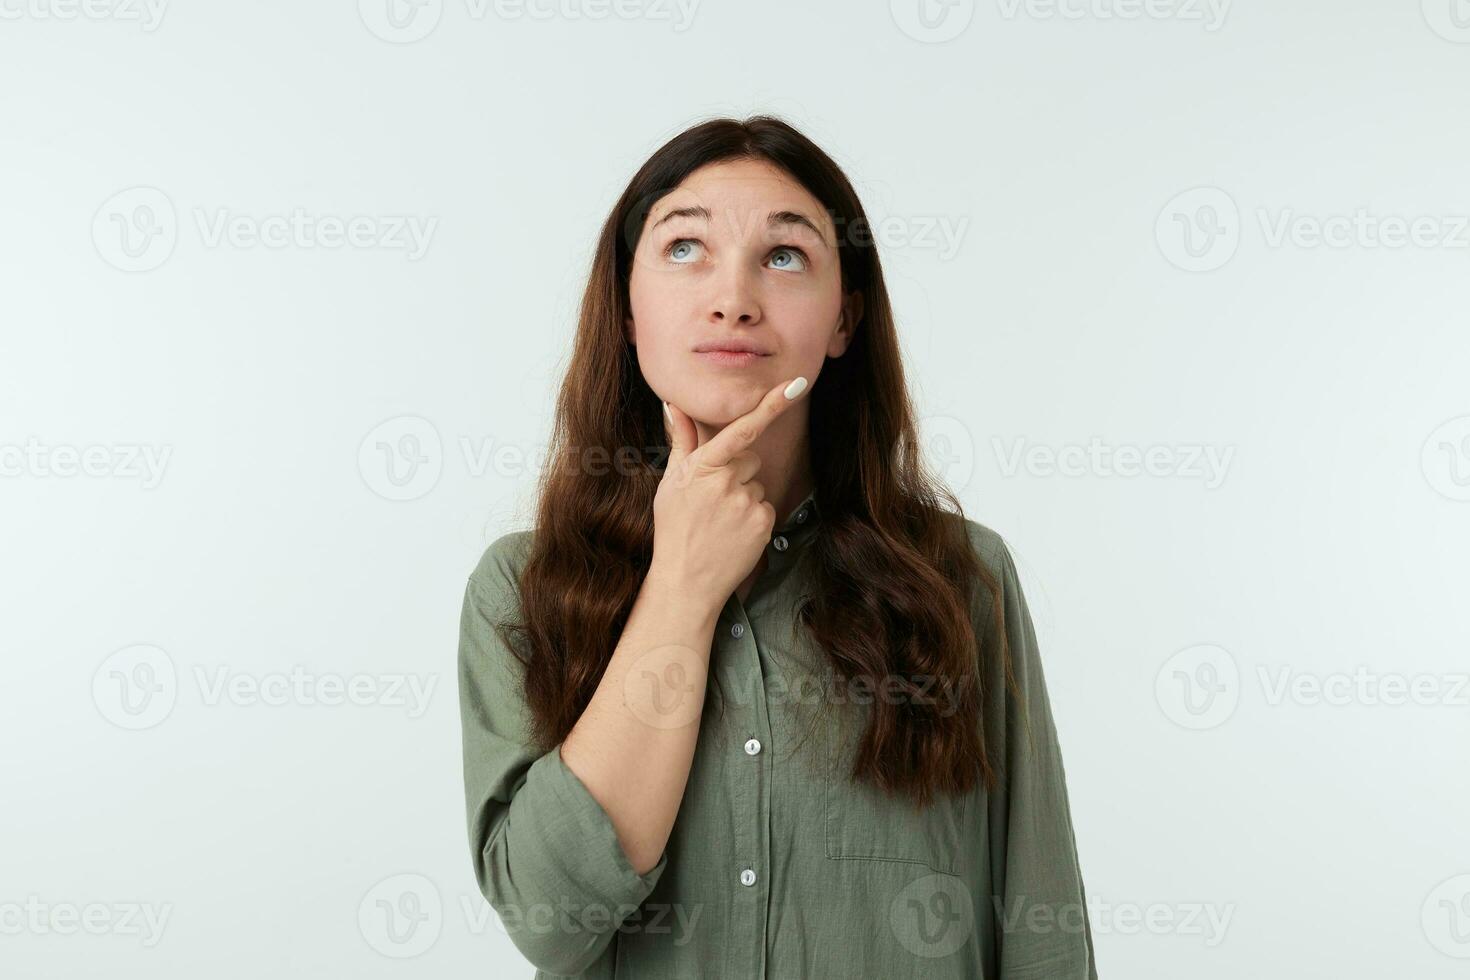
(738, 252)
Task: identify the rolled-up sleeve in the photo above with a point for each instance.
(1037, 895)
(546, 855)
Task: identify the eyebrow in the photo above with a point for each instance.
(775, 219)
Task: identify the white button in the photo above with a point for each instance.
(752, 746)
(780, 542)
(738, 630)
(747, 877)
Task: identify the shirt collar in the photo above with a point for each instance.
(803, 517)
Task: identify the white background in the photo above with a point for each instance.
(1083, 299)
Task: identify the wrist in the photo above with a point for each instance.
(673, 584)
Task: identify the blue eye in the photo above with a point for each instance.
(796, 256)
(681, 246)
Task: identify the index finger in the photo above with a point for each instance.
(739, 434)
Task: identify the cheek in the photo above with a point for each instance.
(656, 319)
(660, 318)
(809, 319)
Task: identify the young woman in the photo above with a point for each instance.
(871, 786)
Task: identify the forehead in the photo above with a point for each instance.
(739, 194)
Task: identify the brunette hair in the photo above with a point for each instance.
(893, 573)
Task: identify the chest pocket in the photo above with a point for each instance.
(865, 824)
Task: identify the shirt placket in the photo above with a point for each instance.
(744, 670)
(740, 664)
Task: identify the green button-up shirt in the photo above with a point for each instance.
(777, 865)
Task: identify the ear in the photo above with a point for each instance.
(852, 314)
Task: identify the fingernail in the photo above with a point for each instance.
(795, 388)
(667, 415)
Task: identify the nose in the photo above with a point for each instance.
(734, 300)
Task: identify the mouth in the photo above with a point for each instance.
(732, 346)
(730, 358)
(731, 353)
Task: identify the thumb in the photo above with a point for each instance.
(683, 438)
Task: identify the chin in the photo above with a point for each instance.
(722, 401)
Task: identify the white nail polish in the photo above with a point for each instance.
(795, 388)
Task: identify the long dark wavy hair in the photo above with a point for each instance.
(893, 572)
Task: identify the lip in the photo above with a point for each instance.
(738, 344)
(730, 358)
